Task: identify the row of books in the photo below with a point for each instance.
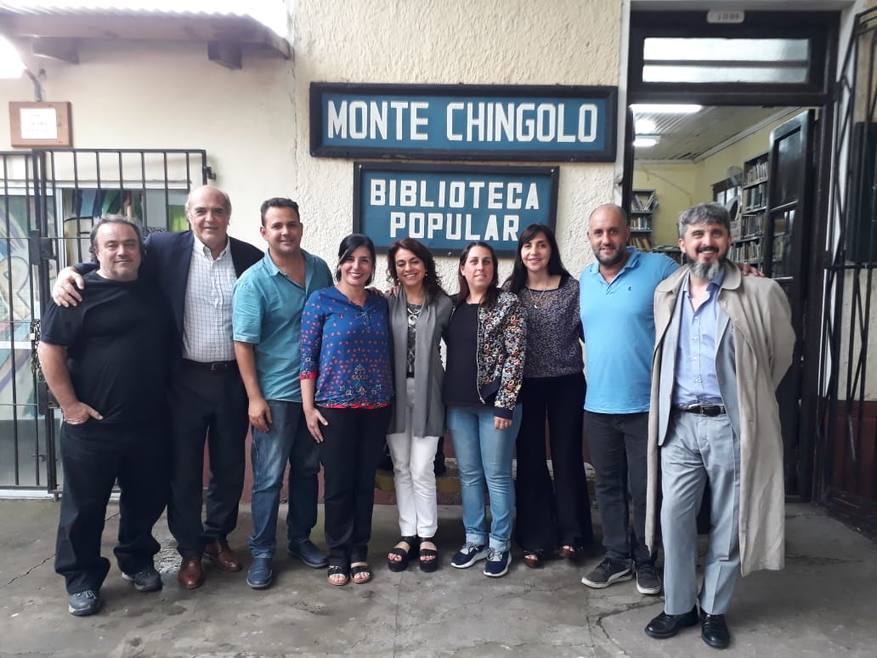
(641, 242)
(754, 197)
(641, 223)
(756, 172)
(643, 201)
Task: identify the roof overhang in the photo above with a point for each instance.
(57, 32)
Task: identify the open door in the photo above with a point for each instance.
(788, 223)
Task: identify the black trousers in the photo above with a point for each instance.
(212, 405)
(619, 445)
(350, 453)
(93, 457)
(549, 514)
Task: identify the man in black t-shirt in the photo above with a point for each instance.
(106, 362)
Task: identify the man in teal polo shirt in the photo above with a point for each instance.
(267, 307)
(616, 304)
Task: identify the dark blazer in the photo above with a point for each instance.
(167, 261)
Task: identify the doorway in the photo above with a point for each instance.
(741, 114)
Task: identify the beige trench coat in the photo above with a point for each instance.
(764, 341)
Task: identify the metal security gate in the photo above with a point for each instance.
(50, 200)
(847, 422)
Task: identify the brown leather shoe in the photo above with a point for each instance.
(191, 573)
(222, 556)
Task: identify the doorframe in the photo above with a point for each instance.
(824, 28)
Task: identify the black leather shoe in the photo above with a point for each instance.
(307, 552)
(714, 631)
(664, 625)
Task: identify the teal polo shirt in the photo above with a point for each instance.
(266, 312)
(618, 319)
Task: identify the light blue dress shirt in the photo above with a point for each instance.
(266, 312)
(696, 379)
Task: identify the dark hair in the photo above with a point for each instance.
(114, 219)
(278, 202)
(492, 292)
(518, 278)
(350, 244)
(432, 283)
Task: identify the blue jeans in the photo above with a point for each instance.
(287, 440)
(484, 454)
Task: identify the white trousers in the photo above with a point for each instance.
(414, 476)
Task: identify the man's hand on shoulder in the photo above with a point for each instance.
(66, 291)
(748, 270)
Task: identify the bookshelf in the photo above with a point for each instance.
(747, 232)
(641, 218)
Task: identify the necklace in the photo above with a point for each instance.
(538, 300)
(414, 311)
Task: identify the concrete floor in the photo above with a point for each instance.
(823, 604)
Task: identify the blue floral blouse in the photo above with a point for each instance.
(347, 349)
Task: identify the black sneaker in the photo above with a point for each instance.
(469, 555)
(607, 572)
(497, 563)
(145, 580)
(84, 603)
(647, 579)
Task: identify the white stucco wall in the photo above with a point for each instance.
(452, 41)
(254, 122)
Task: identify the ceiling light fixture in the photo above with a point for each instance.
(645, 126)
(670, 108)
(645, 141)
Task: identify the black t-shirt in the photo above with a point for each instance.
(118, 344)
(461, 374)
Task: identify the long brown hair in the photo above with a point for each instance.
(432, 283)
(492, 292)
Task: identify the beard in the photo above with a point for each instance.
(614, 259)
(707, 271)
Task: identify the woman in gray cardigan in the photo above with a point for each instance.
(419, 314)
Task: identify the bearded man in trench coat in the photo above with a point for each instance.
(724, 342)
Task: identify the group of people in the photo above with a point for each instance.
(194, 335)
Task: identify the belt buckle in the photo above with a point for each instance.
(216, 366)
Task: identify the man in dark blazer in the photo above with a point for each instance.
(196, 270)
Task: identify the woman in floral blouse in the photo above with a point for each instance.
(347, 388)
(482, 399)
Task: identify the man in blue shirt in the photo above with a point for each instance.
(616, 305)
(267, 309)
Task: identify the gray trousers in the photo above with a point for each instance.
(700, 449)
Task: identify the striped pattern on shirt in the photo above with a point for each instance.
(207, 314)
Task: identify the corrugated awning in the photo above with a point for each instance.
(56, 28)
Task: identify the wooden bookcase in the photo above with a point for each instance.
(747, 234)
(641, 218)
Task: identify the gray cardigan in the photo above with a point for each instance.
(428, 417)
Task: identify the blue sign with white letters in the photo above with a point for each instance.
(464, 122)
(448, 206)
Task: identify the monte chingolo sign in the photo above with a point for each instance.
(448, 205)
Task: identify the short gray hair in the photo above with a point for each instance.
(704, 213)
(114, 219)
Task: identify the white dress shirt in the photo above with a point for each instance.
(207, 329)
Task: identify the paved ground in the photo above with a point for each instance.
(823, 604)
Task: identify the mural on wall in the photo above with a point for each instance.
(17, 309)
